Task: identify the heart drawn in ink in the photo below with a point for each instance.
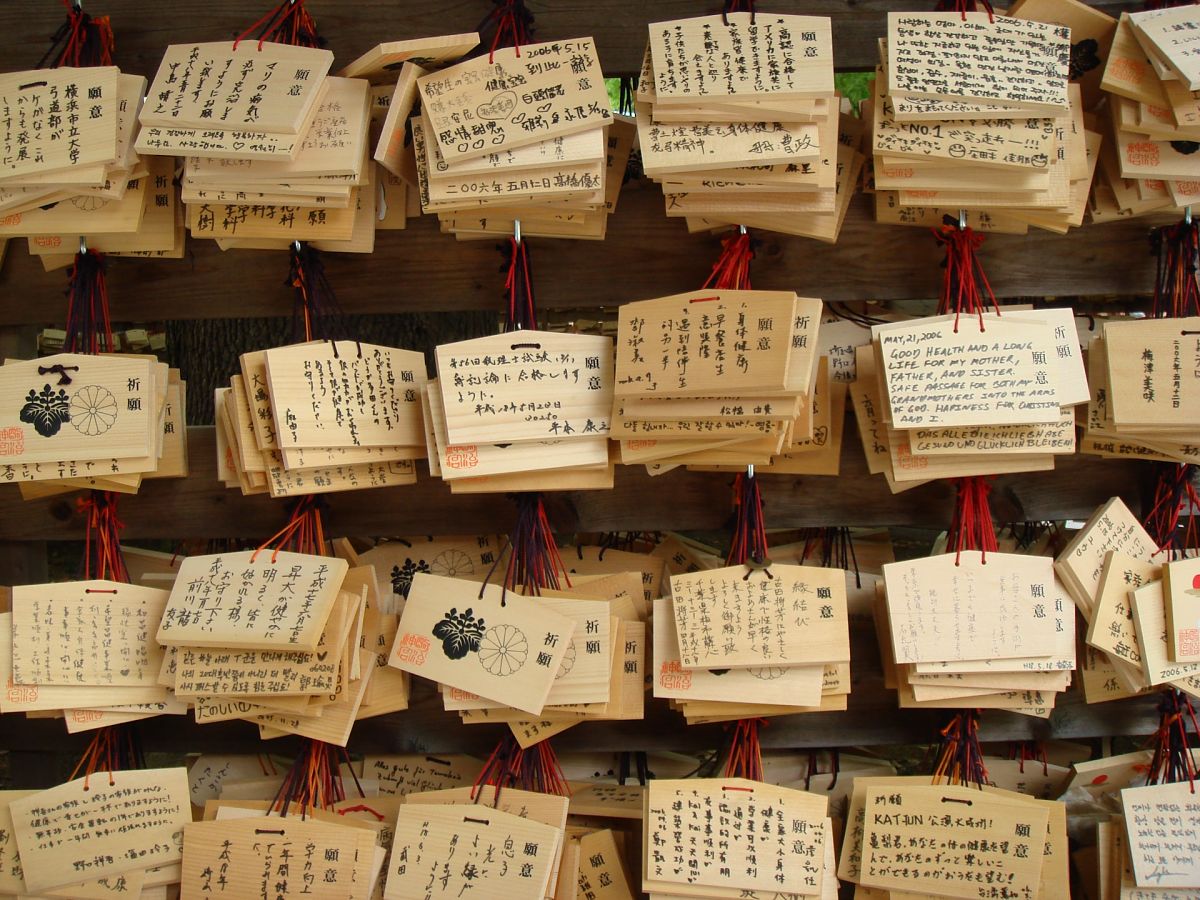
(498, 108)
(545, 107)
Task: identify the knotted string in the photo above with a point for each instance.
(102, 556)
(960, 756)
(534, 563)
(745, 751)
(89, 326)
(1172, 761)
(288, 23)
(836, 547)
(733, 6)
(965, 6)
(303, 533)
(814, 765)
(1029, 751)
(749, 544)
(972, 528)
(732, 268)
(114, 748)
(1176, 288)
(521, 312)
(534, 769)
(82, 40)
(510, 24)
(314, 780)
(1174, 492)
(315, 312)
(965, 286)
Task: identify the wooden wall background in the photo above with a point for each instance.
(645, 255)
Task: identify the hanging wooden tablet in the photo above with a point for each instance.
(252, 600)
(240, 86)
(935, 610)
(1006, 364)
(81, 828)
(254, 855)
(37, 103)
(757, 56)
(353, 395)
(779, 616)
(379, 64)
(86, 633)
(1033, 55)
(519, 867)
(508, 652)
(526, 386)
(754, 860)
(530, 94)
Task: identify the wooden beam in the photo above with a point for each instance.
(200, 507)
(645, 255)
(144, 27)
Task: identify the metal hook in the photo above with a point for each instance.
(741, 229)
(962, 219)
(517, 230)
(1187, 215)
(296, 246)
(750, 470)
(82, 244)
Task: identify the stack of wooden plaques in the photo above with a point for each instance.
(733, 644)
(718, 837)
(525, 410)
(996, 132)
(978, 630)
(81, 421)
(949, 396)
(288, 641)
(1140, 407)
(738, 120)
(908, 836)
(70, 167)
(327, 182)
(1139, 608)
(600, 677)
(716, 377)
(517, 135)
(391, 68)
(1155, 116)
(320, 417)
(276, 149)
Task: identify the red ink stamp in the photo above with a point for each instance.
(413, 649)
(12, 442)
(1122, 68)
(674, 677)
(1189, 641)
(465, 456)
(21, 693)
(1142, 153)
